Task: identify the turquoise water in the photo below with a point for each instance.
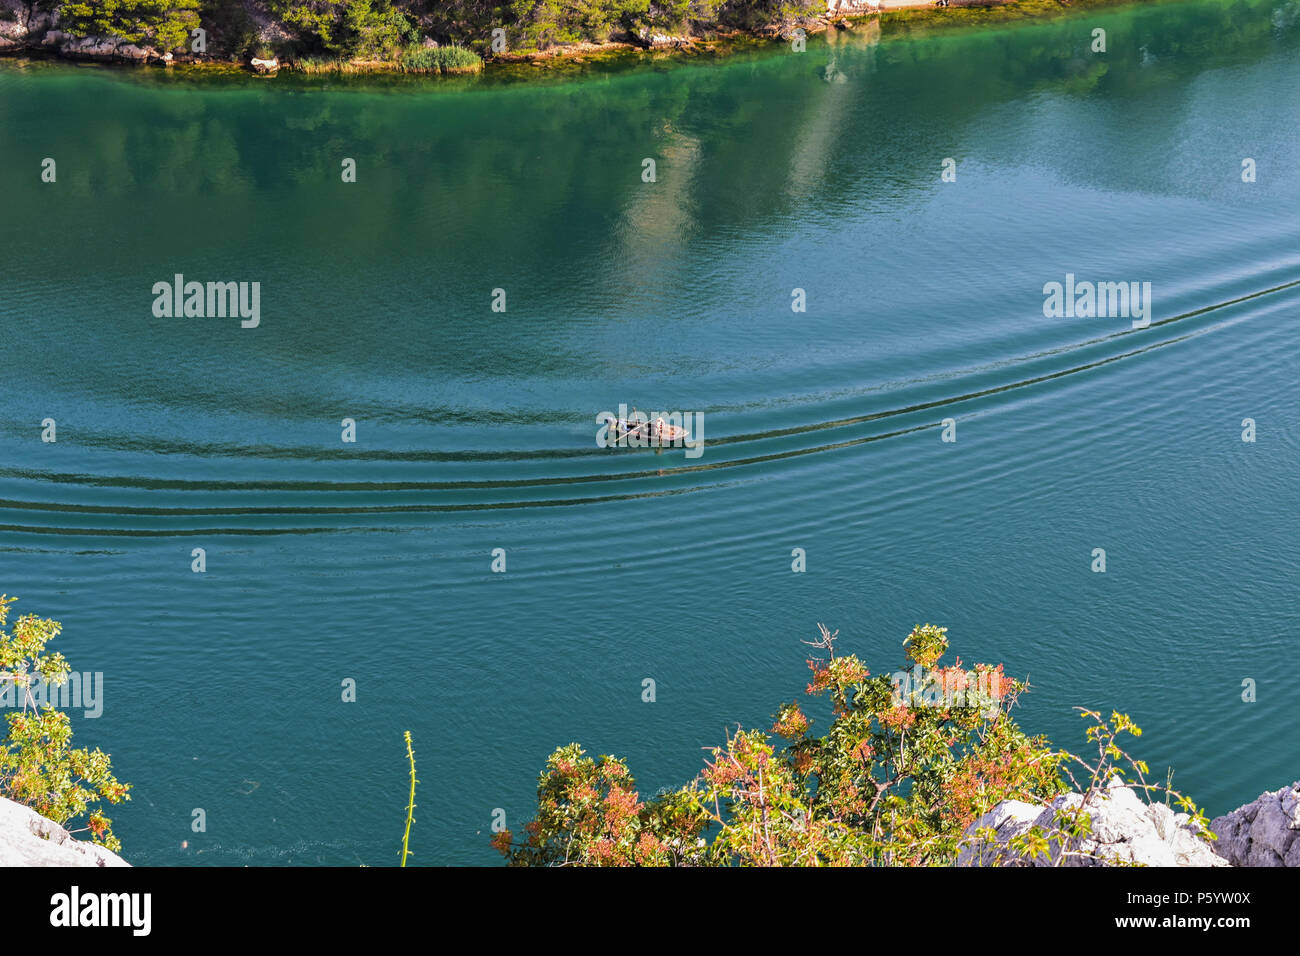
(821, 171)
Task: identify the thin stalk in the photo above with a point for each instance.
(410, 803)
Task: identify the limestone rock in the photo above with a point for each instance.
(91, 48)
(843, 8)
(1125, 830)
(136, 54)
(22, 28)
(13, 33)
(1263, 833)
(660, 41)
(29, 839)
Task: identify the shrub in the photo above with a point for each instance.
(165, 24)
(362, 29)
(38, 767)
(908, 762)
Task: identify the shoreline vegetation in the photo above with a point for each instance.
(461, 37)
(38, 766)
(922, 767)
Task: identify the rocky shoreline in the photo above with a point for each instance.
(1126, 831)
(29, 839)
(26, 31)
(39, 35)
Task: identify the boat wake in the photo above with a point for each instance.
(47, 502)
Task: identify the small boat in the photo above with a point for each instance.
(638, 434)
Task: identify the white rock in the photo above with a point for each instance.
(1125, 830)
(1010, 818)
(13, 31)
(29, 839)
(1265, 832)
(129, 51)
(659, 41)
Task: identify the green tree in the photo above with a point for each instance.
(38, 765)
(165, 24)
(368, 29)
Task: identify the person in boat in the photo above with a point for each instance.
(631, 425)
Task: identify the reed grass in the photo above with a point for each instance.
(410, 803)
(414, 59)
(440, 59)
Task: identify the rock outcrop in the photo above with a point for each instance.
(18, 31)
(660, 41)
(13, 35)
(29, 839)
(851, 8)
(39, 31)
(1263, 833)
(99, 48)
(1125, 831)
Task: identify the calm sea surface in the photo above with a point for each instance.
(476, 429)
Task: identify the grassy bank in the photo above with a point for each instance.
(448, 60)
